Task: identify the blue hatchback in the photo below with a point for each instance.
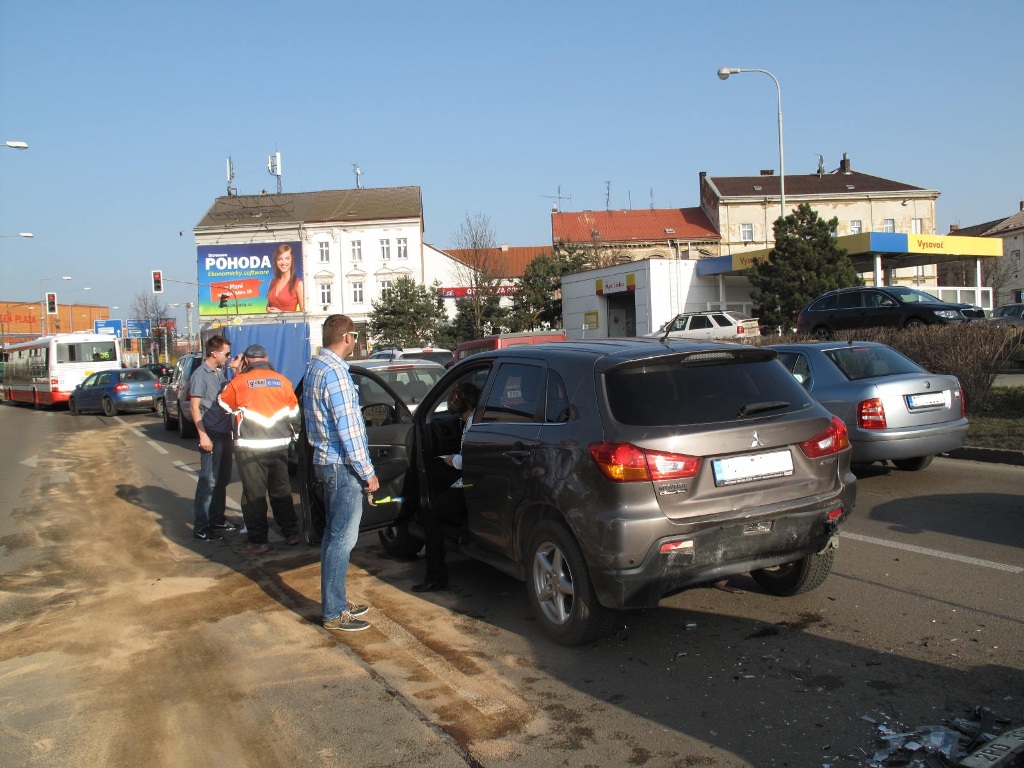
(117, 390)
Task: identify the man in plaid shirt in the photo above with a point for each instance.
(341, 460)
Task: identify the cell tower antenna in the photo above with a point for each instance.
(274, 168)
(231, 177)
(558, 199)
(358, 172)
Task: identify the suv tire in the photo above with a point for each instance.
(561, 592)
(797, 577)
(398, 542)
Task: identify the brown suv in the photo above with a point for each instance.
(608, 474)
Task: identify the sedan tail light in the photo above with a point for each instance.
(871, 414)
(834, 439)
(963, 403)
(626, 463)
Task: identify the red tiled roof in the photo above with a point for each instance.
(510, 261)
(647, 225)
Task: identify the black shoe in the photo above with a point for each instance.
(225, 526)
(207, 535)
(429, 586)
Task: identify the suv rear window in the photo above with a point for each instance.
(680, 393)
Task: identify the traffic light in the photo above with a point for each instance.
(51, 303)
(128, 344)
(158, 281)
(223, 300)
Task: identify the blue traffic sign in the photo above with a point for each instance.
(109, 327)
(138, 329)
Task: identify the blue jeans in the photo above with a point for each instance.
(343, 503)
(212, 487)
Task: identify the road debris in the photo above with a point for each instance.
(978, 739)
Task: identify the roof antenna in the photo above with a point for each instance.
(231, 177)
(607, 194)
(821, 165)
(558, 199)
(358, 172)
(274, 168)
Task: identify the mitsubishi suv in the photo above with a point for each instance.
(608, 474)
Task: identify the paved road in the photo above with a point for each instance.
(125, 642)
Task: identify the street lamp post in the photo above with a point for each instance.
(723, 74)
(43, 324)
(20, 234)
(16, 144)
(71, 309)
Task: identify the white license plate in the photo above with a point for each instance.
(144, 398)
(929, 400)
(757, 466)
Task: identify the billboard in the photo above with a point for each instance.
(253, 279)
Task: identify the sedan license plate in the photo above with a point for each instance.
(757, 466)
(929, 400)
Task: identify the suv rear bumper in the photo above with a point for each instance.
(719, 549)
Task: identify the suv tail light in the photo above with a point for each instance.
(871, 414)
(834, 439)
(626, 463)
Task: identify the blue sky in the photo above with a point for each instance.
(131, 110)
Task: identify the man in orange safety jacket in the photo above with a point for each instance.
(266, 420)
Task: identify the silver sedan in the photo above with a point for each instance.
(894, 409)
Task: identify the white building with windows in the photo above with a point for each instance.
(348, 246)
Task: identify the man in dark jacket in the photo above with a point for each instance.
(266, 414)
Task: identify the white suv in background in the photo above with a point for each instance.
(716, 324)
(434, 354)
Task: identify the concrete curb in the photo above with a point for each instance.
(990, 455)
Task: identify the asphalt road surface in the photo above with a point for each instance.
(125, 642)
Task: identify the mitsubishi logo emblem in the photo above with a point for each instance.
(758, 442)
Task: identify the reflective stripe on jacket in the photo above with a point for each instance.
(264, 406)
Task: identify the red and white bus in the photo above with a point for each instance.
(45, 371)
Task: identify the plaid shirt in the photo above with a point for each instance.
(334, 423)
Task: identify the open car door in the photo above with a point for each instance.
(389, 434)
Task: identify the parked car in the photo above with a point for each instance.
(434, 354)
(609, 474)
(893, 408)
(888, 306)
(730, 325)
(174, 405)
(410, 379)
(116, 391)
(502, 341)
(1008, 315)
(160, 369)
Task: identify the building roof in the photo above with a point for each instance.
(1005, 226)
(335, 205)
(640, 226)
(975, 231)
(509, 261)
(830, 184)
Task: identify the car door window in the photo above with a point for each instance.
(797, 365)
(90, 380)
(103, 379)
(515, 394)
(850, 300)
(699, 323)
(722, 320)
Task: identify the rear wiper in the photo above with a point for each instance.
(752, 408)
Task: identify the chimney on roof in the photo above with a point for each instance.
(844, 166)
(767, 171)
(953, 228)
(1022, 205)
(504, 247)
